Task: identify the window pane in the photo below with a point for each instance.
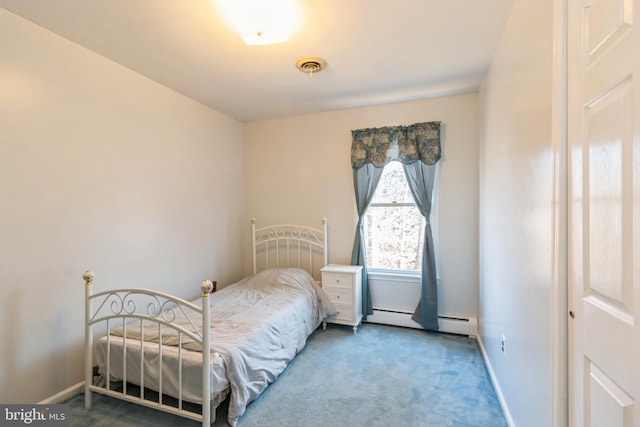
(394, 237)
(393, 186)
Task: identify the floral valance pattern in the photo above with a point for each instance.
(406, 144)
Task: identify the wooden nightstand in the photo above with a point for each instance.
(343, 285)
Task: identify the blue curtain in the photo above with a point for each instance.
(365, 181)
(417, 147)
(421, 178)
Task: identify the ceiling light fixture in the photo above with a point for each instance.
(261, 22)
(311, 64)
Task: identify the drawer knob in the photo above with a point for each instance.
(338, 297)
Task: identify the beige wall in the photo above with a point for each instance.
(298, 170)
(100, 168)
(517, 211)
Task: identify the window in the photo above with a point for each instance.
(394, 227)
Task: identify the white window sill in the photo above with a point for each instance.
(408, 275)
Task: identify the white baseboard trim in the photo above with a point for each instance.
(64, 395)
(496, 385)
(393, 318)
(467, 326)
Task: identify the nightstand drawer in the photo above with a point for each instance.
(339, 297)
(337, 281)
(344, 313)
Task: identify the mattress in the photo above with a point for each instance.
(186, 385)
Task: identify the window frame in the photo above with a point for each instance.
(379, 271)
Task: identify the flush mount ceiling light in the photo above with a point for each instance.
(311, 64)
(261, 22)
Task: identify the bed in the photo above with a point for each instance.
(146, 347)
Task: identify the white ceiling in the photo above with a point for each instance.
(377, 51)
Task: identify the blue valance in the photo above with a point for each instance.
(406, 144)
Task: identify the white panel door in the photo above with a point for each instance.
(604, 217)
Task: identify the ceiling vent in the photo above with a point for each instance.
(311, 64)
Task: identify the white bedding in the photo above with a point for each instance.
(257, 326)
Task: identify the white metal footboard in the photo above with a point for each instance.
(124, 305)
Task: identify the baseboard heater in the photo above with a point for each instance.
(452, 325)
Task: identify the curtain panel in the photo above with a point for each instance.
(365, 182)
(417, 147)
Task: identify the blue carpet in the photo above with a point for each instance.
(382, 376)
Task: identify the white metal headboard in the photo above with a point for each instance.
(290, 246)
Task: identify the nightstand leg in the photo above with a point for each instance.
(355, 329)
(324, 326)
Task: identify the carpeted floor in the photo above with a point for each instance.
(382, 376)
